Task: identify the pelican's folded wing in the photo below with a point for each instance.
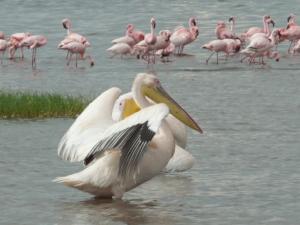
(131, 136)
(84, 132)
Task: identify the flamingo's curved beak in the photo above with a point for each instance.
(194, 22)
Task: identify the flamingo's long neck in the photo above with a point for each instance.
(265, 25)
(232, 26)
(268, 29)
(191, 25)
(68, 25)
(152, 29)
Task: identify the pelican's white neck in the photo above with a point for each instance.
(137, 93)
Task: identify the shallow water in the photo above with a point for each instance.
(247, 169)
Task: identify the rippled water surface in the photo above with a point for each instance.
(247, 169)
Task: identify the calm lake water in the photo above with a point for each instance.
(247, 169)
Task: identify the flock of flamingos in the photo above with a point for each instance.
(254, 44)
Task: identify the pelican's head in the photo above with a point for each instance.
(151, 88)
(124, 106)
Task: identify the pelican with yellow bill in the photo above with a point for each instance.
(122, 155)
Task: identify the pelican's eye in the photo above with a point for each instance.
(156, 82)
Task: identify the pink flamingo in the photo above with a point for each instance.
(131, 37)
(120, 49)
(225, 45)
(162, 42)
(150, 38)
(72, 36)
(127, 38)
(136, 34)
(33, 42)
(222, 32)
(260, 45)
(77, 48)
(182, 36)
(291, 33)
(149, 42)
(253, 30)
(15, 40)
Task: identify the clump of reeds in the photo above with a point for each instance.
(38, 105)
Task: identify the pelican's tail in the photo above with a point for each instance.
(72, 180)
(97, 179)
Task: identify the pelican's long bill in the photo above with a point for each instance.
(159, 95)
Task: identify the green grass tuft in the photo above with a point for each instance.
(15, 105)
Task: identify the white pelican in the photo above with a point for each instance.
(122, 155)
(181, 160)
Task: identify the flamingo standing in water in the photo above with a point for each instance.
(162, 42)
(147, 46)
(33, 42)
(15, 40)
(260, 45)
(77, 48)
(291, 33)
(72, 36)
(150, 39)
(182, 36)
(226, 45)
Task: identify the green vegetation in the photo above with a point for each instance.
(15, 105)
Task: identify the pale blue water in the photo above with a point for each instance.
(247, 169)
